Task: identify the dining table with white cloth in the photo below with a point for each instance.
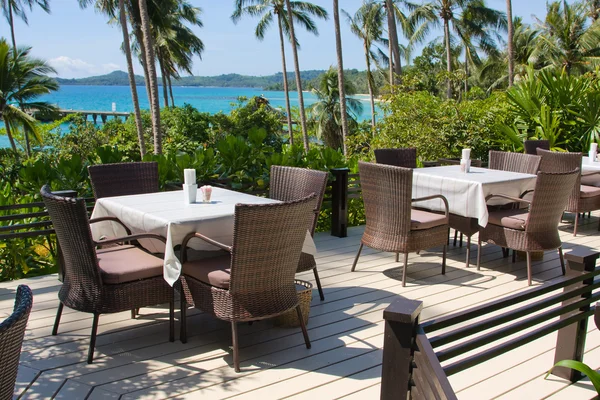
(167, 214)
(466, 192)
(592, 170)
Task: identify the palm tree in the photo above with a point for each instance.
(22, 79)
(340, 68)
(593, 8)
(12, 8)
(268, 10)
(326, 112)
(511, 52)
(367, 24)
(394, 56)
(567, 39)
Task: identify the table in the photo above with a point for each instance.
(466, 192)
(589, 167)
(166, 214)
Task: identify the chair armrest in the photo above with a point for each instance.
(205, 238)
(515, 199)
(525, 193)
(129, 238)
(589, 173)
(435, 196)
(113, 219)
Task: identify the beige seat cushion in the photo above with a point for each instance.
(420, 219)
(513, 219)
(589, 191)
(213, 271)
(120, 264)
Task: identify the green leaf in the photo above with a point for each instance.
(594, 376)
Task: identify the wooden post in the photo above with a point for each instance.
(570, 341)
(401, 320)
(339, 202)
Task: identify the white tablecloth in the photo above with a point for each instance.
(587, 167)
(166, 214)
(466, 192)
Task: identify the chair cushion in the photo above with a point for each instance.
(420, 219)
(513, 219)
(120, 264)
(589, 191)
(213, 271)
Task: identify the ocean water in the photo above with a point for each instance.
(205, 99)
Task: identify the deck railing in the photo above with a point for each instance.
(412, 368)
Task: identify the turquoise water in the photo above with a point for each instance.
(205, 99)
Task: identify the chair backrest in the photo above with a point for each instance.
(514, 162)
(531, 146)
(12, 331)
(386, 192)
(291, 183)
(82, 282)
(559, 162)
(550, 197)
(121, 179)
(406, 158)
(267, 242)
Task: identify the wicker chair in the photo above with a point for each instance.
(122, 179)
(12, 331)
(392, 225)
(406, 158)
(514, 162)
(583, 198)
(255, 279)
(289, 183)
(108, 280)
(535, 229)
(531, 146)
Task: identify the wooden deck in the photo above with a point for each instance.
(134, 358)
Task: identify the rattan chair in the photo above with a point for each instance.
(122, 179)
(583, 198)
(531, 146)
(392, 224)
(12, 331)
(102, 281)
(255, 279)
(514, 162)
(289, 183)
(535, 229)
(406, 158)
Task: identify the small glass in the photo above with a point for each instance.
(206, 193)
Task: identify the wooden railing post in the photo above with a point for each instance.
(339, 202)
(401, 320)
(570, 341)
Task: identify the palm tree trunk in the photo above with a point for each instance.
(369, 84)
(511, 52)
(298, 80)
(11, 22)
(393, 33)
(150, 64)
(140, 40)
(10, 138)
(391, 66)
(27, 142)
(340, 65)
(131, 75)
(448, 58)
(164, 81)
(466, 71)
(288, 109)
(171, 90)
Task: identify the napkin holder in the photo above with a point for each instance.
(189, 193)
(592, 156)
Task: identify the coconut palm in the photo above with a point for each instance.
(16, 8)
(340, 69)
(567, 39)
(367, 23)
(510, 49)
(593, 9)
(325, 113)
(268, 10)
(22, 79)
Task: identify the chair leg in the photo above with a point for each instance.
(397, 257)
(455, 236)
(93, 338)
(444, 260)
(303, 326)
(468, 262)
(356, 258)
(576, 222)
(234, 337)
(562, 260)
(318, 282)
(133, 313)
(404, 269)
(57, 319)
(514, 256)
(505, 252)
(183, 319)
(529, 268)
(448, 238)
(479, 253)
(461, 239)
(172, 317)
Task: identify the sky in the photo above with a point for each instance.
(80, 43)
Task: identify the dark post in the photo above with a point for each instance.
(339, 202)
(401, 320)
(570, 342)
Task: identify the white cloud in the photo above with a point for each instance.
(67, 67)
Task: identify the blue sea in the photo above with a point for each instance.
(205, 99)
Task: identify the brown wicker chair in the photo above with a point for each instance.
(12, 331)
(406, 158)
(108, 280)
(535, 229)
(122, 179)
(514, 162)
(583, 198)
(255, 279)
(531, 146)
(289, 183)
(392, 225)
